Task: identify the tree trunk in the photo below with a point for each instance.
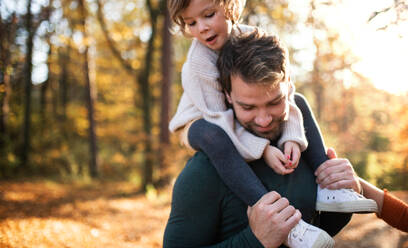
(147, 124)
(4, 103)
(166, 64)
(5, 89)
(5, 52)
(146, 98)
(63, 84)
(166, 78)
(93, 165)
(28, 85)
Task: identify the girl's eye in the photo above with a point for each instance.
(191, 24)
(210, 15)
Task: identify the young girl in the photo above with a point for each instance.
(209, 126)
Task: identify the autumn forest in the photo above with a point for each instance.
(87, 89)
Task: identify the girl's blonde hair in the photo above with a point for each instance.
(233, 10)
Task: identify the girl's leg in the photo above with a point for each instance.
(345, 201)
(232, 168)
(240, 178)
(315, 154)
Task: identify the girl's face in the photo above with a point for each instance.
(206, 21)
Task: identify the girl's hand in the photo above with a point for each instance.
(292, 154)
(276, 160)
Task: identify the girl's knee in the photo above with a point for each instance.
(300, 100)
(203, 132)
(302, 104)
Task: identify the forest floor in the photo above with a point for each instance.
(47, 214)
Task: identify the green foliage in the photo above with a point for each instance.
(378, 142)
(360, 163)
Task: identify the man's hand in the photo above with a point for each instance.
(337, 173)
(275, 159)
(272, 218)
(292, 153)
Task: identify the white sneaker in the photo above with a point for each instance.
(344, 201)
(304, 235)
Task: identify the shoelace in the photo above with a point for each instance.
(299, 231)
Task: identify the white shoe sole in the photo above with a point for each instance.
(361, 206)
(324, 241)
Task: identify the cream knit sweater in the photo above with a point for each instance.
(203, 98)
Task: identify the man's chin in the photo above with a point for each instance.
(268, 135)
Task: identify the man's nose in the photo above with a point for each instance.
(263, 119)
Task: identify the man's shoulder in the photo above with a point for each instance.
(199, 167)
(197, 182)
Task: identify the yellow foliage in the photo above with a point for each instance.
(119, 158)
(136, 64)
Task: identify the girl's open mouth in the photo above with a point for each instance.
(211, 39)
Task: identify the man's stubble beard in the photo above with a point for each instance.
(272, 135)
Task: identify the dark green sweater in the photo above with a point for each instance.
(204, 212)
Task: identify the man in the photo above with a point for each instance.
(204, 211)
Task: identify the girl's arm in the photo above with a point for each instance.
(372, 192)
(391, 209)
(293, 128)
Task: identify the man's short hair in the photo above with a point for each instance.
(254, 56)
(233, 10)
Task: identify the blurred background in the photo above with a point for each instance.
(87, 88)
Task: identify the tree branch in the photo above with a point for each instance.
(111, 42)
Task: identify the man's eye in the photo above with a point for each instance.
(247, 108)
(277, 102)
(210, 15)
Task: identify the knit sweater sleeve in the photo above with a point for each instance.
(395, 212)
(203, 98)
(293, 129)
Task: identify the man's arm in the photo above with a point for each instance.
(272, 218)
(204, 212)
(196, 210)
(337, 173)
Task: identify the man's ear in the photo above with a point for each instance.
(228, 96)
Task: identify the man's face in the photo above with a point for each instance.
(258, 107)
